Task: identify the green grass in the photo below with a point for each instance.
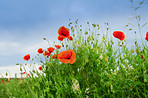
(15, 88)
(105, 67)
(102, 69)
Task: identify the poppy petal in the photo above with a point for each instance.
(26, 57)
(118, 34)
(63, 32)
(146, 36)
(67, 56)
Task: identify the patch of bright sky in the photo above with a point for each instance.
(23, 23)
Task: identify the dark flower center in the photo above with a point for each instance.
(63, 34)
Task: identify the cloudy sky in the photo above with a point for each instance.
(23, 23)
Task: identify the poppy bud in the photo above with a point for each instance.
(106, 60)
(103, 39)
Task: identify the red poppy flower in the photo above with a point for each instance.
(67, 56)
(40, 68)
(146, 36)
(142, 57)
(60, 38)
(63, 32)
(54, 56)
(24, 72)
(47, 53)
(58, 46)
(28, 74)
(3, 81)
(50, 49)
(27, 57)
(40, 50)
(118, 34)
(70, 37)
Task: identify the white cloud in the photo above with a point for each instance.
(11, 48)
(15, 69)
(33, 48)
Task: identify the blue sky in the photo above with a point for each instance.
(23, 23)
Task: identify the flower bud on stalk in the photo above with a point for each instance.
(103, 39)
(106, 60)
(101, 57)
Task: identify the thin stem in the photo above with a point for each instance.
(139, 28)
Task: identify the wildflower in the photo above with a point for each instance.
(60, 38)
(21, 81)
(75, 85)
(50, 49)
(28, 74)
(142, 57)
(40, 68)
(58, 46)
(68, 56)
(3, 81)
(23, 72)
(63, 32)
(146, 36)
(70, 37)
(87, 91)
(40, 50)
(54, 56)
(101, 57)
(27, 57)
(47, 53)
(118, 34)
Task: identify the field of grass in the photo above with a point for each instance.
(88, 63)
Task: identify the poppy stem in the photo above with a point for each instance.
(138, 23)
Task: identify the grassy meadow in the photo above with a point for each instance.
(84, 66)
(89, 62)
